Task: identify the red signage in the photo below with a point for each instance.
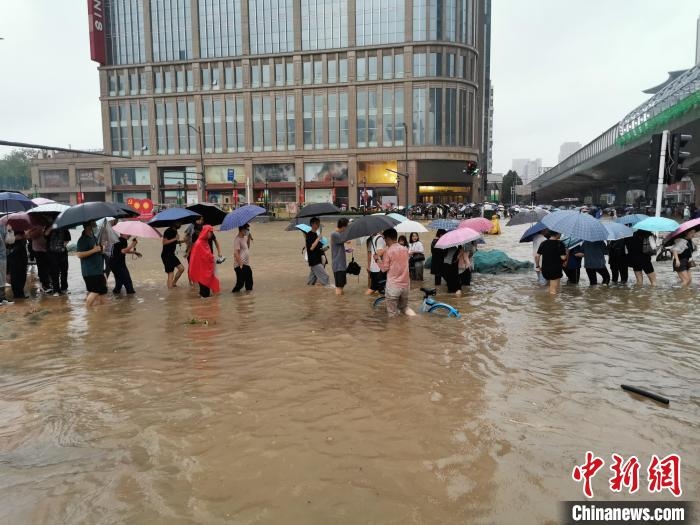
(143, 206)
(96, 16)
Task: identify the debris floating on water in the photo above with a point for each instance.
(650, 395)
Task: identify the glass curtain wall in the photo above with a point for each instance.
(270, 26)
(124, 32)
(324, 24)
(171, 27)
(220, 28)
(379, 21)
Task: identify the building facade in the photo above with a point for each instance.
(527, 169)
(567, 149)
(281, 101)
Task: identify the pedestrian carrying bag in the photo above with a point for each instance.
(9, 236)
(353, 268)
(649, 245)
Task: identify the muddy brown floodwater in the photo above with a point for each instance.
(291, 405)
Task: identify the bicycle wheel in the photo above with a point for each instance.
(444, 309)
(378, 301)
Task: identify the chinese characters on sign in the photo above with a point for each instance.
(662, 473)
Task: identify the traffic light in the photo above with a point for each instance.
(654, 156)
(533, 197)
(472, 168)
(677, 156)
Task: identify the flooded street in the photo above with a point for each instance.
(291, 405)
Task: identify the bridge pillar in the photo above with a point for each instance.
(595, 196)
(695, 177)
(621, 194)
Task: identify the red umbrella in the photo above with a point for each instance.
(688, 225)
(479, 224)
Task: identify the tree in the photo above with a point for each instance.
(15, 173)
(510, 179)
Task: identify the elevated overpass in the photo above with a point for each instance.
(617, 160)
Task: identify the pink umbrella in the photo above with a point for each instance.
(41, 200)
(478, 224)
(688, 225)
(136, 229)
(22, 221)
(458, 237)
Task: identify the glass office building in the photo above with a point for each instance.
(295, 100)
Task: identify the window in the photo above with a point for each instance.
(343, 70)
(324, 24)
(220, 28)
(142, 83)
(121, 82)
(228, 77)
(290, 72)
(284, 117)
(266, 74)
(168, 81)
(124, 34)
(434, 134)
(206, 78)
(139, 127)
(171, 30)
(332, 69)
(366, 118)
(133, 83)
(450, 117)
(344, 120)
(387, 66)
(435, 64)
(379, 21)
(170, 126)
(161, 137)
(361, 73)
(451, 70)
(393, 119)
(314, 120)
(372, 67)
(318, 71)
(319, 101)
(255, 75)
(419, 104)
(234, 124)
(112, 77)
(308, 121)
(180, 80)
(189, 75)
(270, 26)
(449, 20)
(419, 65)
(398, 64)
(262, 123)
(118, 125)
(307, 66)
(279, 73)
(333, 129)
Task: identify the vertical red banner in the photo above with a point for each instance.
(96, 17)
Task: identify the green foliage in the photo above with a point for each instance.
(509, 180)
(14, 170)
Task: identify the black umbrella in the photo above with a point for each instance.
(368, 225)
(319, 208)
(92, 211)
(527, 217)
(213, 215)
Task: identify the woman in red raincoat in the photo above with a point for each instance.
(201, 268)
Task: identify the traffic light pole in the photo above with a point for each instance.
(662, 167)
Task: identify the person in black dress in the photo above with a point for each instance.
(437, 257)
(550, 260)
(640, 261)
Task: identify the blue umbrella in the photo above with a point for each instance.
(305, 228)
(444, 224)
(618, 231)
(13, 201)
(576, 224)
(172, 215)
(634, 218)
(241, 216)
(532, 231)
(656, 224)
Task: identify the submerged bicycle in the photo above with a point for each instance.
(429, 305)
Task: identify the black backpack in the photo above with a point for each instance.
(353, 268)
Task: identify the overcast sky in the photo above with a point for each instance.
(562, 70)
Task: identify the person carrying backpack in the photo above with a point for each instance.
(640, 248)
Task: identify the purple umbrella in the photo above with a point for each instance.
(22, 221)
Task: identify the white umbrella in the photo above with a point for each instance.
(410, 227)
(52, 207)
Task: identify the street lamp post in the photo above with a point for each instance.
(179, 190)
(364, 192)
(266, 199)
(333, 191)
(198, 131)
(405, 178)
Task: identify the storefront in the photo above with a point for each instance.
(326, 182)
(226, 185)
(179, 185)
(444, 182)
(376, 185)
(274, 184)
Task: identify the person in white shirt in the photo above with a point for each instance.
(416, 254)
(377, 278)
(536, 241)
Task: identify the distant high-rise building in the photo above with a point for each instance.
(567, 149)
(527, 169)
(697, 43)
